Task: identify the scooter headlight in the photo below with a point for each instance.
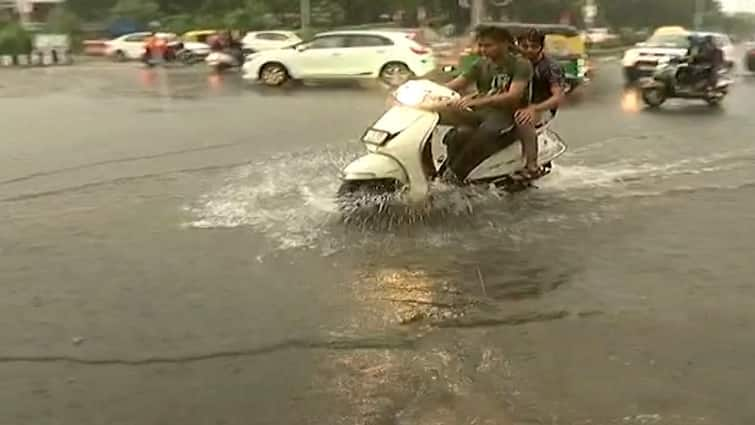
(375, 137)
(411, 94)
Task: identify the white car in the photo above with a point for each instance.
(599, 35)
(197, 48)
(268, 40)
(641, 60)
(131, 46)
(392, 56)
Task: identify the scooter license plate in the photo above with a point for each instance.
(645, 82)
(375, 137)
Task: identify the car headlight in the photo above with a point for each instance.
(630, 56)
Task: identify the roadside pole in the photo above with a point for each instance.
(306, 14)
(477, 12)
(699, 13)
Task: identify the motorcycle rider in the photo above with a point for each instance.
(156, 47)
(502, 79)
(705, 59)
(235, 46)
(216, 42)
(547, 95)
(712, 60)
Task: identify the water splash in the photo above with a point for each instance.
(291, 200)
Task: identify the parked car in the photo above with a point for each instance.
(131, 46)
(267, 40)
(665, 44)
(599, 36)
(391, 56)
(196, 42)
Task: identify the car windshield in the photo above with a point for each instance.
(669, 40)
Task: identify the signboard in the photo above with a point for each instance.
(590, 12)
(48, 42)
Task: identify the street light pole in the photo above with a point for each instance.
(699, 12)
(477, 11)
(306, 13)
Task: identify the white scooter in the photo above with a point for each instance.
(405, 149)
(219, 61)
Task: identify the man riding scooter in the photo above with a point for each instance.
(503, 85)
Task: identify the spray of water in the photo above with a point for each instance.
(292, 200)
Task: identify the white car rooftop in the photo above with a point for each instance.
(395, 34)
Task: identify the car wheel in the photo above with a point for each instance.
(274, 74)
(395, 74)
(119, 56)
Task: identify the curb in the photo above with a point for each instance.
(36, 59)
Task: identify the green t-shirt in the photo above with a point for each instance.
(496, 77)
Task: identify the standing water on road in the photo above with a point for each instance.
(174, 253)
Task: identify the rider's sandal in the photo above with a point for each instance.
(526, 174)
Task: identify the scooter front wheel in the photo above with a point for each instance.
(715, 99)
(365, 198)
(654, 96)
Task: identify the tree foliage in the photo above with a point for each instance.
(248, 14)
(653, 13)
(142, 11)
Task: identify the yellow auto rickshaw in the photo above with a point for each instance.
(198, 36)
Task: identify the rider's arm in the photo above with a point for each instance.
(552, 102)
(555, 77)
(512, 97)
(465, 78)
(459, 83)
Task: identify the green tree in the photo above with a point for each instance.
(139, 10)
(64, 21)
(654, 13)
(90, 9)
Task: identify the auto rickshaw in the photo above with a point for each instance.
(198, 36)
(563, 43)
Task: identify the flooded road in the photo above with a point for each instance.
(171, 253)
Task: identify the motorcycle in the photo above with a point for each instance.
(407, 148)
(175, 51)
(673, 78)
(221, 60)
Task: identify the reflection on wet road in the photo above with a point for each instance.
(172, 253)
